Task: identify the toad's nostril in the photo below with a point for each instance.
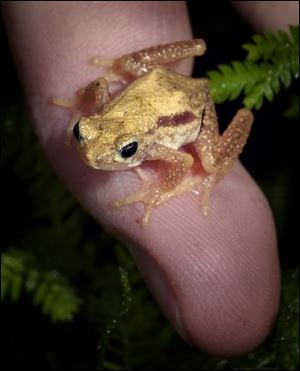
(76, 132)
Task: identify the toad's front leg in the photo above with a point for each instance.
(87, 101)
(153, 194)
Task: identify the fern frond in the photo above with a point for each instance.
(50, 290)
(272, 62)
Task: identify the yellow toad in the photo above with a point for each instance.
(158, 113)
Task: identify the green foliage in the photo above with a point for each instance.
(56, 243)
(32, 271)
(272, 62)
(49, 289)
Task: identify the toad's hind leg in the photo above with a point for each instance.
(218, 152)
(133, 65)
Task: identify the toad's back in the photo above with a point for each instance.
(157, 96)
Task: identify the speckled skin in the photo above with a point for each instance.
(159, 111)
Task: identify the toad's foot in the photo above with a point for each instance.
(151, 194)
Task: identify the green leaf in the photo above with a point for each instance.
(284, 37)
(286, 78)
(31, 281)
(272, 63)
(49, 289)
(294, 30)
(275, 85)
(16, 287)
(4, 287)
(269, 92)
(40, 293)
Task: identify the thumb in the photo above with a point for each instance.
(216, 278)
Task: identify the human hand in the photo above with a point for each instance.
(216, 278)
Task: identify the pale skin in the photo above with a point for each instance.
(215, 278)
(137, 125)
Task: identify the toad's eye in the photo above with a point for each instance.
(76, 132)
(128, 150)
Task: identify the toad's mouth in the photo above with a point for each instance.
(106, 162)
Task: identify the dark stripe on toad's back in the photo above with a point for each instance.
(177, 119)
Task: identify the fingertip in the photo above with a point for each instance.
(216, 278)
